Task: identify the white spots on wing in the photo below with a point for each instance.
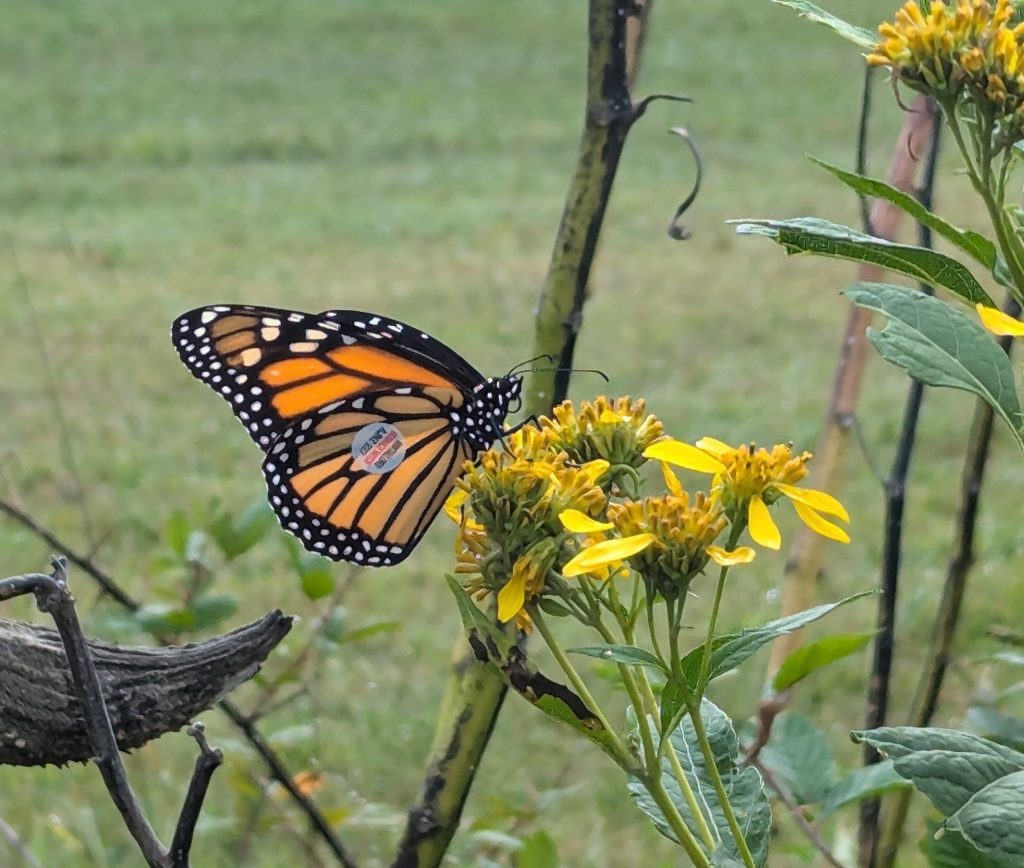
(359, 325)
(348, 340)
(296, 317)
(306, 423)
(199, 332)
(271, 321)
(221, 308)
(241, 379)
(270, 333)
(406, 390)
(315, 334)
(207, 316)
(395, 326)
(357, 404)
(304, 346)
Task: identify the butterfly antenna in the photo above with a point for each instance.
(526, 365)
(601, 374)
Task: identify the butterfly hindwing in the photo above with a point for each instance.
(362, 480)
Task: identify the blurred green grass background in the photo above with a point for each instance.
(412, 159)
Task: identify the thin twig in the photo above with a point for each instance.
(895, 499)
(206, 763)
(277, 768)
(17, 845)
(809, 830)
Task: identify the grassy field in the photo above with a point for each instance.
(412, 159)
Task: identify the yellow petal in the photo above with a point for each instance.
(607, 552)
(577, 522)
(671, 481)
(512, 596)
(998, 322)
(762, 529)
(453, 505)
(741, 555)
(715, 447)
(611, 417)
(595, 469)
(819, 525)
(819, 501)
(684, 455)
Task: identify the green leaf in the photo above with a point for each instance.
(800, 757)
(993, 819)
(210, 609)
(941, 346)
(551, 606)
(863, 783)
(823, 238)
(995, 726)
(628, 654)
(743, 786)
(857, 35)
(672, 700)
(336, 625)
(950, 850)
(730, 650)
(807, 658)
(369, 630)
(538, 851)
(176, 531)
(949, 767)
(474, 619)
(164, 619)
(976, 246)
(317, 582)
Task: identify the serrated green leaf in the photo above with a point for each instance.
(210, 609)
(993, 819)
(863, 783)
(317, 583)
(807, 658)
(628, 654)
(944, 848)
(824, 238)
(857, 35)
(800, 757)
(976, 246)
(941, 346)
(730, 650)
(744, 788)
(949, 767)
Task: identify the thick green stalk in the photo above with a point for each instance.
(473, 698)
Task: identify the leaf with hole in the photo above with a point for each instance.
(823, 238)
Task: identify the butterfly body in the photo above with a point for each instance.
(365, 422)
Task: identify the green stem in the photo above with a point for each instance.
(675, 820)
(644, 703)
(705, 662)
(620, 752)
(716, 779)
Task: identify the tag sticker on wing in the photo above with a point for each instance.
(377, 448)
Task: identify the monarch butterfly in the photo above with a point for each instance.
(365, 422)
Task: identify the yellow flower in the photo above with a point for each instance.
(967, 46)
(616, 430)
(526, 581)
(747, 480)
(999, 323)
(607, 553)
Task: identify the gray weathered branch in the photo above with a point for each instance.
(148, 691)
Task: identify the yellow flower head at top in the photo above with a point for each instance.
(967, 46)
(747, 480)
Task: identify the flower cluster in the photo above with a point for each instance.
(968, 47)
(547, 509)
